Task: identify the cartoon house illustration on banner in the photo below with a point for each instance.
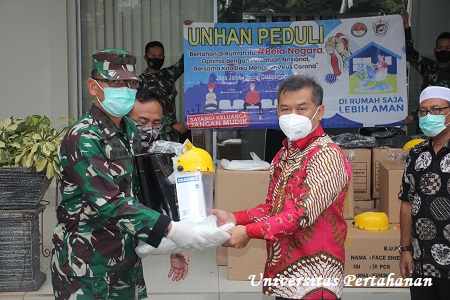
(373, 69)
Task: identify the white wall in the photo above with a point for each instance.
(34, 58)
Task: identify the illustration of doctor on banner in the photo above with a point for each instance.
(233, 70)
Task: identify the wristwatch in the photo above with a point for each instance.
(402, 249)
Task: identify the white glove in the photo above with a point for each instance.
(214, 236)
(165, 247)
(184, 235)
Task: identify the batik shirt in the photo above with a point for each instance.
(431, 74)
(99, 219)
(426, 185)
(302, 219)
(163, 84)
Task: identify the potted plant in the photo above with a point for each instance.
(28, 160)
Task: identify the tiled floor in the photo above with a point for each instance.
(205, 281)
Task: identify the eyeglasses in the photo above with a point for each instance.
(131, 83)
(154, 125)
(432, 111)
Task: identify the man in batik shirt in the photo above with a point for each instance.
(425, 194)
(302, 219)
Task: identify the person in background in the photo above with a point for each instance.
(425, 208)
(434, 72)
(147, 114)
(99, 219)
(302, 218)
(162, 82)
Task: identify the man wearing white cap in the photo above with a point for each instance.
(425, 194)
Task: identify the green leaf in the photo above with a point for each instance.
(7, 122)
(41, 162)
(36, 137)
(46, 151)
(50, 147)
(18, 159)
(50, 171)
(29, 161)
(16, 145)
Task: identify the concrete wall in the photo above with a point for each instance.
(34, 58)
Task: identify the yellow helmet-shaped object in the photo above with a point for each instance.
(373, 221)
(412, 143)
(195, 160)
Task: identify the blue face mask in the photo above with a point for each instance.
(118, 101)
(432, 125)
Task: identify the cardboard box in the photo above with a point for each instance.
(381, 154)
(247, 261)
(391, 173)
(371, 253)
(238, 190)
(361, 162)
(349, 203)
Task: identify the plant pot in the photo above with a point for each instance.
(20, 258)
(22, 188)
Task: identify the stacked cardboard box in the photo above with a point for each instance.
(360, 160)
(238, 190)
(371, 254)
(391, 173)
(382, 154)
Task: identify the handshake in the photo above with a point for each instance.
(188, 235)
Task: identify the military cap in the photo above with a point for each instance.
(115, 64)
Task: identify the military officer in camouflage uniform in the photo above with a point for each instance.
(99, 220)
(162, 82)
(147, 115)
(434, 72)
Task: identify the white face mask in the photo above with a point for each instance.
(295, 126)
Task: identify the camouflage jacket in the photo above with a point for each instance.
(163, 84)
(431, 74)
(99, 219)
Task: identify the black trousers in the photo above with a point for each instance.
(439, 290)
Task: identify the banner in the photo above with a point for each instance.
(233, 70)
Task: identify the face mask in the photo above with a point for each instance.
(148, 135)
(155, 63)
(432, 125)
(442, 56)
(295, 126)
(118, 101)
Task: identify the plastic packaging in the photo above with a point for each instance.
(255, 164)
(169, 147)
(354, 140)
